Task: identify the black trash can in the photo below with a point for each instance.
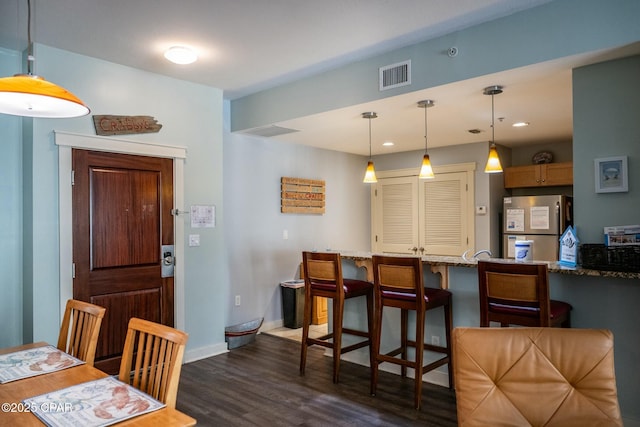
(292, 303)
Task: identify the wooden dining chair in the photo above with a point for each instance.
(158, 351)
(516, 293)
(323, 278)
(399, 283)
(80, 330)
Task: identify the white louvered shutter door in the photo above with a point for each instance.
(443, 214)
(396, 215)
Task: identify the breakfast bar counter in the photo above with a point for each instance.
(439, 265)
(600, 299)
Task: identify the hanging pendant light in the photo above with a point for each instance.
(426, 171)
(32, 96)
(493, 161)
(370, 174)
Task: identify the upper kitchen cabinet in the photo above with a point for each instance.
(548, 174)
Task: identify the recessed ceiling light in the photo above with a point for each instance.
(520, 124)
(387, 143)
(181, 55)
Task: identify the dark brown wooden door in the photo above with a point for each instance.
(121, 218)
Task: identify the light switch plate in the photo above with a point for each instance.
(481, 210)
(194, 240)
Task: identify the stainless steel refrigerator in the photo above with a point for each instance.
(541, 219)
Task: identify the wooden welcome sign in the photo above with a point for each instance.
(125, 125)
(302, 195)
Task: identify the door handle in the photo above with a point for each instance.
(167, 259)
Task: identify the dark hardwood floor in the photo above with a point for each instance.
(259, 385)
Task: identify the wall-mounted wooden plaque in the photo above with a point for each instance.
(301, 195)
(125, 125)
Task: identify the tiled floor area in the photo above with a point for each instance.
(296, 334)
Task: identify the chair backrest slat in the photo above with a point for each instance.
(80, 329)
(321, 270)
(398, 274)
(159, 351)
(512, 287)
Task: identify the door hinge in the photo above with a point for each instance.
(375, 192)
(376, 238)
(73, 178)
(466, 187)
(73, 270)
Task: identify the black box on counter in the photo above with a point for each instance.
(610, 258)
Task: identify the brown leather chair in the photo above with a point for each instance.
(398, 283)
(515, 293)
(535, 377)
(323, 278)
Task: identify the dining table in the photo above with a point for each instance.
(15, 413)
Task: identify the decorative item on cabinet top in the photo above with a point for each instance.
(300, 195)
(542, 157)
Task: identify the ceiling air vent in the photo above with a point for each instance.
(395, 75)
(269, 131)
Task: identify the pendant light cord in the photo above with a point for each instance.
(30, 58)
(425, 129)
(369, 138)
(493, 124)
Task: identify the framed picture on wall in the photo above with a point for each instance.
(611, 174)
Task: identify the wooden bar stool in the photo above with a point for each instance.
(323, 278)
(398, 282)
(516, 293)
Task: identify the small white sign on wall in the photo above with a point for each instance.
(203, 216)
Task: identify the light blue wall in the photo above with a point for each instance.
(10, 216)
(191, 116)
(606, 106)
(259, 257)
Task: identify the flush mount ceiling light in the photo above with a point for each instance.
(426, 171)
(370, 174)
(181, 55)
(32, 96)
(520, 124)
(493, 161)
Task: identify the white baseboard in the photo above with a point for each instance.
(220, 348)
(204, 352)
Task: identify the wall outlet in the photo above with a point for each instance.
(237, 300)
(435, 340)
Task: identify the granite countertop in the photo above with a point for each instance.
(453, 261)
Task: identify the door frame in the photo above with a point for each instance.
(66, 141)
